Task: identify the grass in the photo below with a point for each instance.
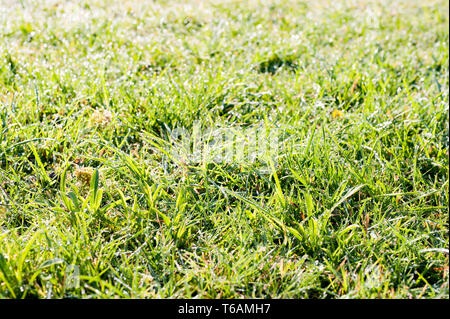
(355, 207)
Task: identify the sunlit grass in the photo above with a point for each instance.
(356, 207)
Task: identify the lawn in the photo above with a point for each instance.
(101, 197)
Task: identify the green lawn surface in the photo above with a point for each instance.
(93, 203)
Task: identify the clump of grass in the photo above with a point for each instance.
(275, 63)
(84, 175)
(101, 118)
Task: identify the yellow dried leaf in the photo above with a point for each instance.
(337, 114)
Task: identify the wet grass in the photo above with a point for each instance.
(357, 206)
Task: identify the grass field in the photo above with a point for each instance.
(93, 204)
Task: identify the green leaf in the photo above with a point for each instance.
(94, 186)
(309, 204)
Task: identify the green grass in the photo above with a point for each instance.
(356, 207)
